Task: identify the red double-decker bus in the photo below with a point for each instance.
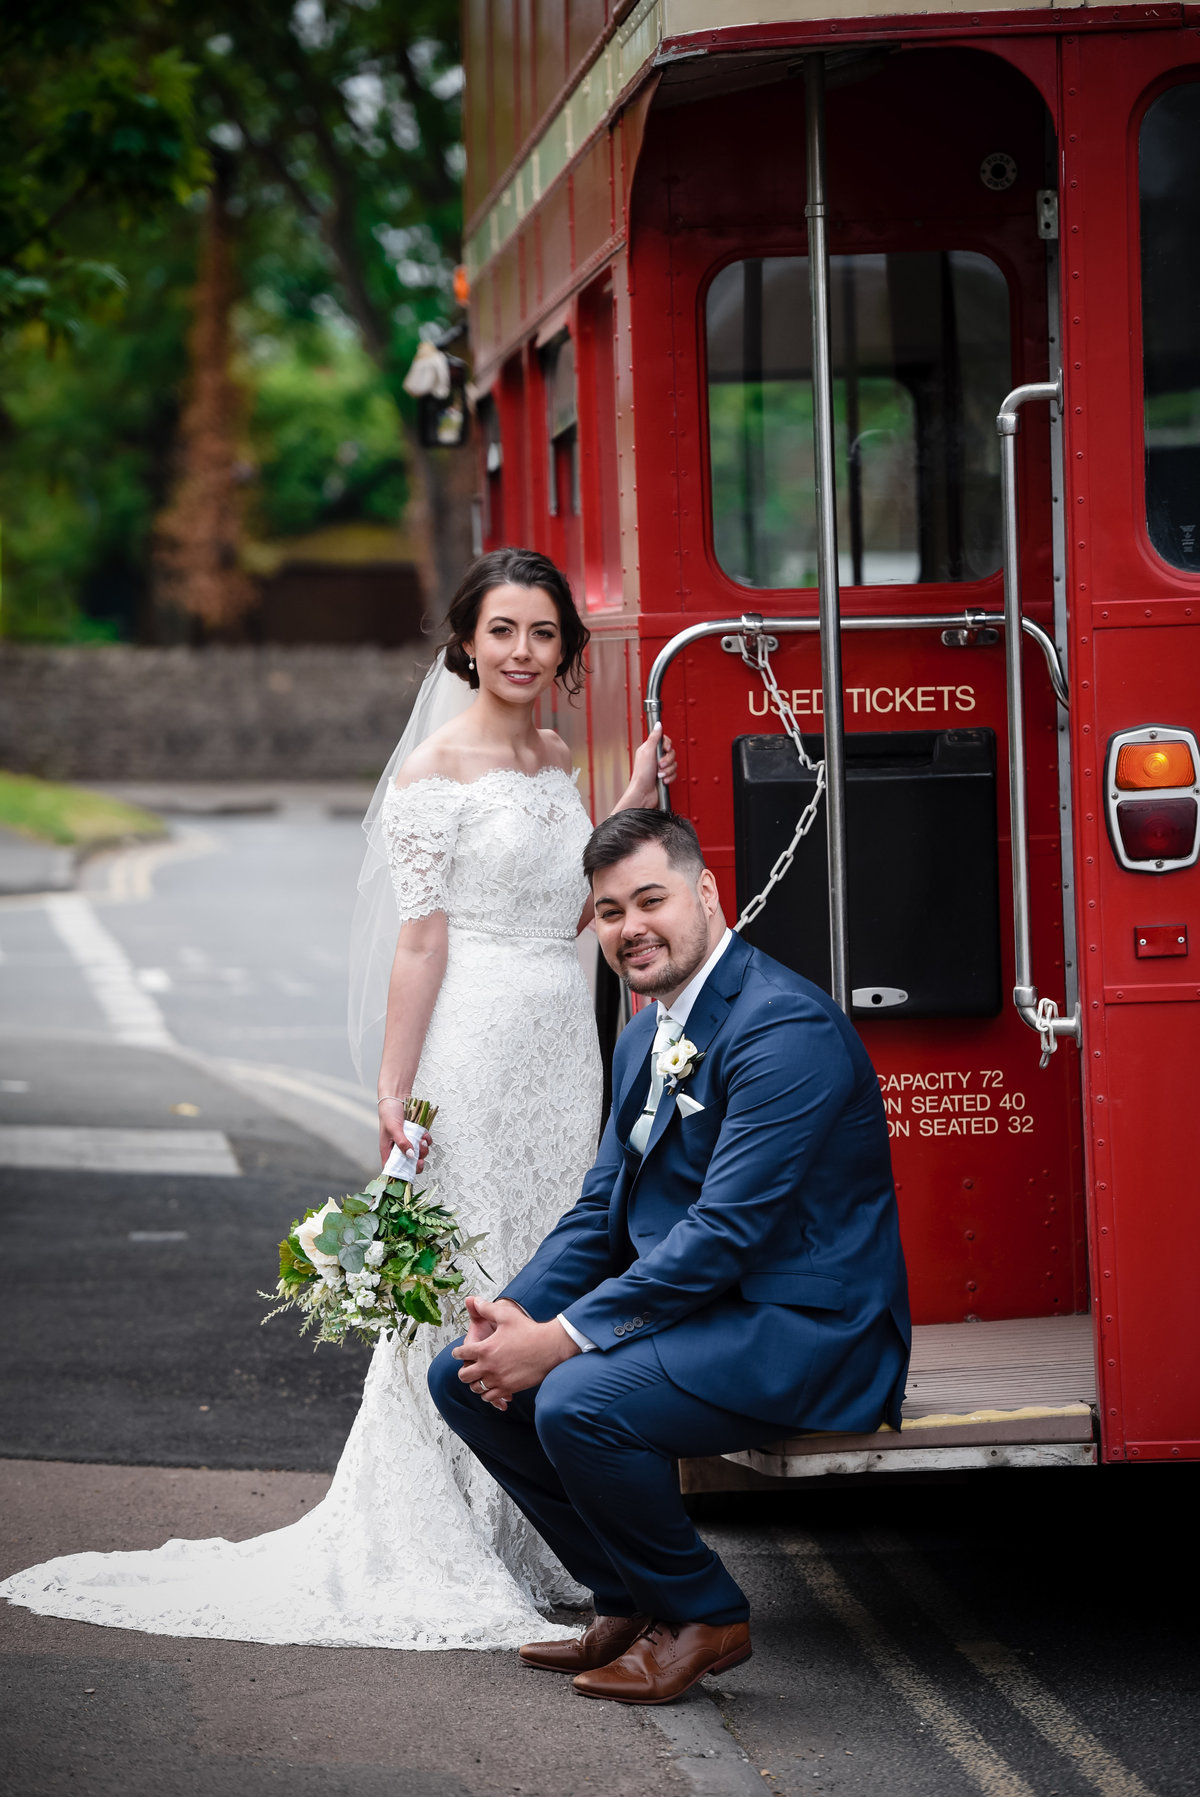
(849, 362)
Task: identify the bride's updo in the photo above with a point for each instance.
(518, 568)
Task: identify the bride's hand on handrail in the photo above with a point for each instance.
(655, 760)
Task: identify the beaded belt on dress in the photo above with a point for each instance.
(467, 929)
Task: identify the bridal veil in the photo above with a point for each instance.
(373, 933)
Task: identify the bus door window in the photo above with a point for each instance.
(600, 460)
(921, 348)
(1169, 191)
(562, 424)
(493, 472)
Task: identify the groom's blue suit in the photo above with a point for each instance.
(741, 1277)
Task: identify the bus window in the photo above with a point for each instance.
(1169, 189)
(921, 361)
(493, 472)
(558, 370)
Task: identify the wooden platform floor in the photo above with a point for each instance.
(1030, 1362)
(1016, 1392)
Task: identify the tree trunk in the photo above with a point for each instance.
(442, 485)
(197, 570)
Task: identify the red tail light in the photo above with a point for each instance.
(1157, 829)
(1152, 802)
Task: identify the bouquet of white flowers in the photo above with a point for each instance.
(378, 1260)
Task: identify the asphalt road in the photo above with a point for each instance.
(1014, 1634)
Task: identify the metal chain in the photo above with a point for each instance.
(760, 659)
(1045, 1014)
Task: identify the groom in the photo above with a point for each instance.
(732, 1271)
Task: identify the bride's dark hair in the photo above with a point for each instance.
(518, 568)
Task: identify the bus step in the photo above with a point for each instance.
(1014, 1393)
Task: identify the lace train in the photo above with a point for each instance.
(414, 1546)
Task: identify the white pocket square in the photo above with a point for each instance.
(687, 1107)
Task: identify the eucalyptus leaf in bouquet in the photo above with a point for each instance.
(375, 1262)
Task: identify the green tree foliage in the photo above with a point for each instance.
(85, 447)
(324, 431)
(345, 123)
(337, 126)
(347, 116)
(96, 114)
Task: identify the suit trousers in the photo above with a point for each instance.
(589, 1457)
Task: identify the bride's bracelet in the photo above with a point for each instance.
(380, 1101)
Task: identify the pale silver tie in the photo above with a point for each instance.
(667, 1033)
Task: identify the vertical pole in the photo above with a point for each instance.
(827, 553)
(1023, 993)
(853, 419)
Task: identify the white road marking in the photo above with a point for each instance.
(986, 1769)
(302, 1086)
(338, 1112)
(293, 988)
(81, 1150)
(132, 1013)
(14, 1085)
(158, 1235)
(284, 1032)
(1054, 1720)
(134, 1017)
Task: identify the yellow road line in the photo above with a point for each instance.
(985, 1768)
(130, 872)
(1054, 1720)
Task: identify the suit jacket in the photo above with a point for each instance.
(757, 1239)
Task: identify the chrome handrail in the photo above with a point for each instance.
(752, 623)
(1025, 996)
(1041, 1016)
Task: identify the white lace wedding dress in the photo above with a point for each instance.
(414, 1546)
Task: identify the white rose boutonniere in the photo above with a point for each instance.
(678, 1062)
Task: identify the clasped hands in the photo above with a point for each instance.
(504, 1351)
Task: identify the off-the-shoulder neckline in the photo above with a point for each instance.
(488, 774)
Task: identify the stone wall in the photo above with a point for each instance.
(275, 712)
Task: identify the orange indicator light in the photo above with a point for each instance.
(1146, 765)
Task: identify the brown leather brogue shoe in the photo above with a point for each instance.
(665, 1661)
(606, 1639)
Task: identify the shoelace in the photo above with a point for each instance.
(654, 1630)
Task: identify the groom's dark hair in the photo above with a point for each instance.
(626, 831)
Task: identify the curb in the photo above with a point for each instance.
(29, 866)
(702, 1750)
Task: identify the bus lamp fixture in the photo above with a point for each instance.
(1152, 809)
(1157, 764)
(438, 383)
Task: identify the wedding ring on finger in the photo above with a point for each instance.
(481, 1388)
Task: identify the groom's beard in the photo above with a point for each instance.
(671, 974)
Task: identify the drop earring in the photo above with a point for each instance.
(471, 664)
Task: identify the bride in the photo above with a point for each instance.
(487, 1014)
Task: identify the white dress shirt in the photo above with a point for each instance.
(678, 1012)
